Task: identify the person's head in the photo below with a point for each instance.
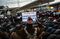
(52, 36)
(29, 21)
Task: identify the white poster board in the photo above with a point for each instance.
(25, 16)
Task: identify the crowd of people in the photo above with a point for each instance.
(51, 23)
(47, 26)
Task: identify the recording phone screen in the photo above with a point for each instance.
(25, 16)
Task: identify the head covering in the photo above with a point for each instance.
(29, 18)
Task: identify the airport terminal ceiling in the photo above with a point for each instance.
(15, 3)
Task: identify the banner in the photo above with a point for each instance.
(25, 16)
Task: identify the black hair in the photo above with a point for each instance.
(29, 18)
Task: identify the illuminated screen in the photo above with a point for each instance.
(25, 16)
